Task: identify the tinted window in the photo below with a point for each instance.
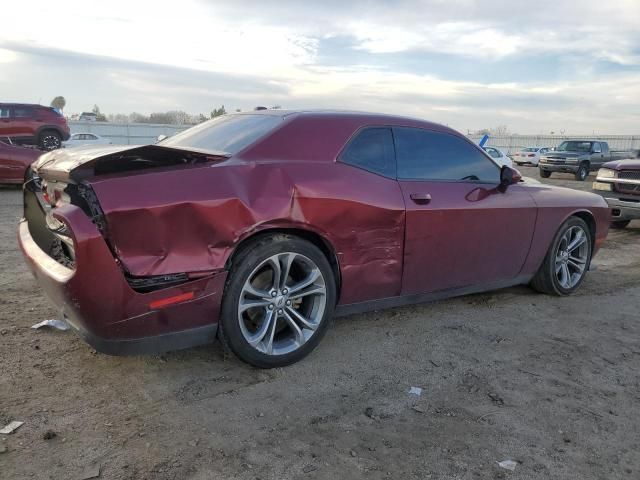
(4, 112)
(596, 148)
(372, 150)
(227, 133)
(428, 155)
(22, 112)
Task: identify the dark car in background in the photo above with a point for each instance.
(619, 183)
(258, 227)
(14, 161)
(579, 157)
(33, 124)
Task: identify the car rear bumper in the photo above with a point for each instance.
(101, 306)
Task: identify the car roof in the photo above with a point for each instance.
(24, 104)
(364, 117)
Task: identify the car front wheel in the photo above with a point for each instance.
(278, 301)
(545, 173)
(582, 173)
(567, 261)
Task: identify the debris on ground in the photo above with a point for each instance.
(3, 449)
(309, 468)
(54, 323)
(415, 391)
(49, 435)
(11, 427)
(508, 464)
(495, 398)
(91, 472)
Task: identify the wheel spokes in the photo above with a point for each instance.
(282, 303)
(579, 240)
(299, 336)
(255, 339)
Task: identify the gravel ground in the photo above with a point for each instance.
(550, 383)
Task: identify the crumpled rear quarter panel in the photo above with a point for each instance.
(191, 219)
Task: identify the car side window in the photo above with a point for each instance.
(596, 147)
(91, 136)
(4, 112)
(372, 150)
(22, 112)
(429, 155)
(493, 152)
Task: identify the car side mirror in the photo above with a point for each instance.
(508, 176)
(160, 138)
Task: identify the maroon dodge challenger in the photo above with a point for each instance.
(259, 227)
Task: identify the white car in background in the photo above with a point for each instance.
(499, 156)
(78, 139)
(529, 155)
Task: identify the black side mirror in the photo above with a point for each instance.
(508, 176)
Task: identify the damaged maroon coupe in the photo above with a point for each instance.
(259, 227)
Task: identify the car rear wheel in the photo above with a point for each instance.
(278, 301)
(619, 224)
(545, 173)
(567, 261)
(49, 140)
(582, 173)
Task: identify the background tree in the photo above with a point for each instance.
(59, 102)
(100, 117)
(218, 111)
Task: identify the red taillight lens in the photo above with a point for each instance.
(531, 155)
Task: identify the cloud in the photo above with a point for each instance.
(470, 64)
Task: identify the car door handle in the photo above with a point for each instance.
(420, 198)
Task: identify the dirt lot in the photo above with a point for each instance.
(551, 383)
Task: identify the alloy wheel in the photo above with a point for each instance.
(282, 303)
(571, 257)
(51, 142)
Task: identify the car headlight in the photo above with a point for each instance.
(606, 173)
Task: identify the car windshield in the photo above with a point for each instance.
(531, 149)
(224, 134)
(574, 146)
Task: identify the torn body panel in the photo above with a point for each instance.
(157, 227)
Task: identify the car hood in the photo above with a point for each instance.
(628, 164)
(62, 161)
(59, 164)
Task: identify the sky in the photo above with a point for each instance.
(570, 66)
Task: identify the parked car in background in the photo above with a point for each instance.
(579, 157)
(499, 156)
(33, 124)
(88, 117)
(78, 139)
(619, 183)
(258, 227)
(14, 161)
(529, 155)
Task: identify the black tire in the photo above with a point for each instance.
(545, 280)
(49, 140)
(583, 172)
(620, 224)
(545, 173)
(244, 263)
